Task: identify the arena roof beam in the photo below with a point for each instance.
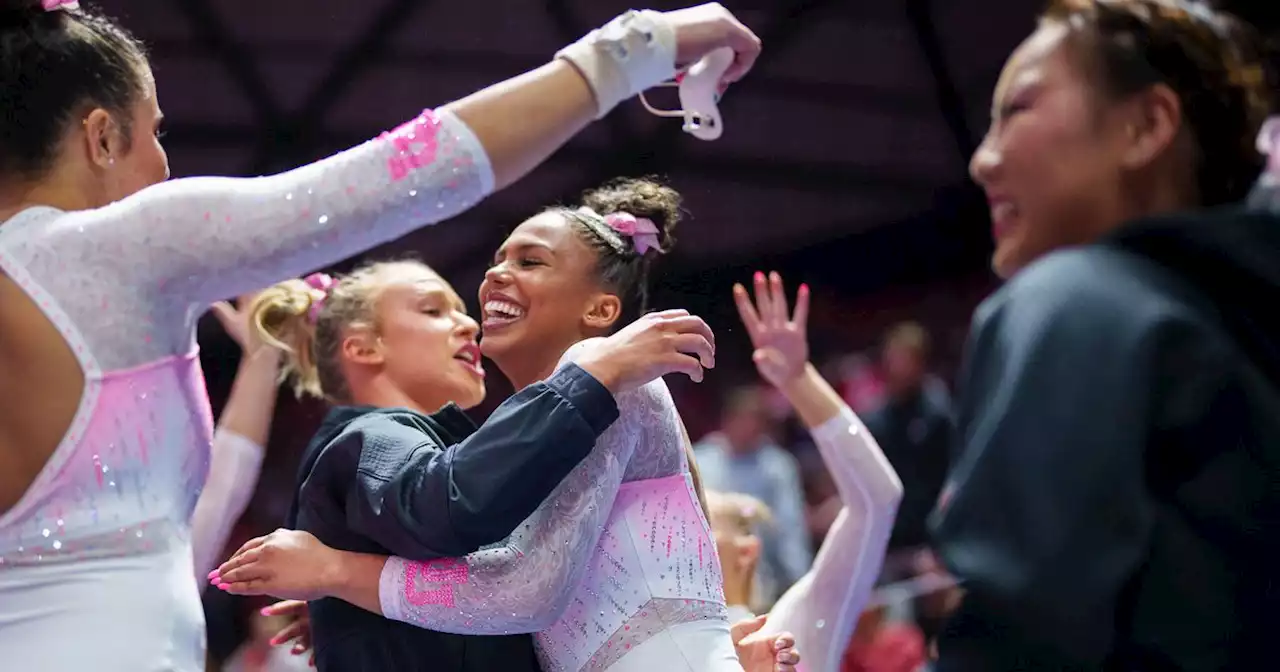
(293, 138)
(950, 104)
(216, 36)
(664, 151)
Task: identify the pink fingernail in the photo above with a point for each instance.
(266, 611)
(213, 575)
(223, 586)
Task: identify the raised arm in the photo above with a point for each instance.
(845, 569)
(192, 241)
(238, 444)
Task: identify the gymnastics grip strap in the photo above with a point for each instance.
(633, 52)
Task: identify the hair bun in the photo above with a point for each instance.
(642, 197)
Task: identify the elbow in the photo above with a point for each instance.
(542, 613)
(891, 491)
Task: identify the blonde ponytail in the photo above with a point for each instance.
(280, 316)
(308, 324)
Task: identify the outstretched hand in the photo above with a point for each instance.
(287, 564)
(235, 321)
(763, 653)
(780, 341)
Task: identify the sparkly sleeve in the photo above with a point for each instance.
(525, 584)
(234, 465)
(192, 241)
(822, 608)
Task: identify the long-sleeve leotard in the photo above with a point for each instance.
(135, 276)
(234, 464)
(524, 584)
(822, 608)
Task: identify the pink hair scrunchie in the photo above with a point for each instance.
(641, 230)
(322, 282)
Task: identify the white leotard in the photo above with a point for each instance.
(616, 570)
(96, 558)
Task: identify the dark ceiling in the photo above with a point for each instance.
(859, 115)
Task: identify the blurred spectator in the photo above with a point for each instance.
(913, 427)
(743, 457)
(736, 521)
(880, 645)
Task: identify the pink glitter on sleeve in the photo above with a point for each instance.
(443, 574)
(188, 242)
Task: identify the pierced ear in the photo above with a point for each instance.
(603, 312)
(1154, 121)
(362, 347)
(103, 140)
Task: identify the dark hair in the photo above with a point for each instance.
(621, 269)
(1213, 62)
(55, 65)
(910, 335)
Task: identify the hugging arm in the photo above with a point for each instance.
(448, 501)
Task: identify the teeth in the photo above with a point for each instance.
(503, 309)
(467, 356)
(1003, 211)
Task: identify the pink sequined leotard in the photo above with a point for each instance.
(96, 557)
(616, 570)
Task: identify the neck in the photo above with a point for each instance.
(525, 369)
(737, 592)
(381, 394)
(523, 374)
(53, 192)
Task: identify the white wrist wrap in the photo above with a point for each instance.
(634, 52)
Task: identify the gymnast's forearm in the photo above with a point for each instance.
(554, 102)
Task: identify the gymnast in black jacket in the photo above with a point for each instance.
(1115, 497)
(389, 344)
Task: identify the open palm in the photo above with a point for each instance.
(235, 320)
(779, 339)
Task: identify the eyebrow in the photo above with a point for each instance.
(522, 247)
(439, 294)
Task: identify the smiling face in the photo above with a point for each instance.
(540, 297)
(1049, 163)
(424, 341)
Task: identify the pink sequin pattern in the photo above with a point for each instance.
(107, 521)
(646, 575)
(440, 577)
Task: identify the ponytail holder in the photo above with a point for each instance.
(55, 5)
(641, 230)
(322, 283)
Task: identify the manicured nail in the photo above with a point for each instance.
(759, 276)
(213, 575)
(223, 586)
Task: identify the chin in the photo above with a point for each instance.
(495, 347)
(469, 401)
(1006, 260)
